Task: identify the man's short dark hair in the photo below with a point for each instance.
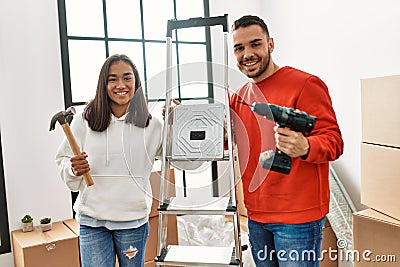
(248, 20)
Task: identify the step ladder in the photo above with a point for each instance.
(177, 149)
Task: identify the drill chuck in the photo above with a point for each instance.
(295, 120)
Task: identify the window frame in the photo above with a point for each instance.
(64, 38)
(5, 245)
(65, 63)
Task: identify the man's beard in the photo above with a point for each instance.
(262, 68)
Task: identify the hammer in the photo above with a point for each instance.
(62, 117)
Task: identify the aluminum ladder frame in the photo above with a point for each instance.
(175, 255)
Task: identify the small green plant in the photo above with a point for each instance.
(27, 219)
(45, 220)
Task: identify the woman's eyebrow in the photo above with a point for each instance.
(115, 75)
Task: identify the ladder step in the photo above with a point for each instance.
(209, 206)
(199, 256)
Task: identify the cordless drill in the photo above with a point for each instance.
(294, 120)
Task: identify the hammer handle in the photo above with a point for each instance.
(75, 149)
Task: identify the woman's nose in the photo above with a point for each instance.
(120, 83)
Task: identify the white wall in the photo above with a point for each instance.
(30, 94)
(341, 42)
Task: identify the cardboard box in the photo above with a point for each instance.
(380, 109)
(380, 183)
(329, 243)
(172, 230)
(57, 247)
(150, 264)
(241, 209)
(152, 241)
(155, 181)
(376, 239)
(73, 225)
(242, 222)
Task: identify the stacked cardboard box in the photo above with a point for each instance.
(57, 247)
(376, 239)
(375, 229)
(240, 199)
(329, 247)
(172, 230)
(241, 209)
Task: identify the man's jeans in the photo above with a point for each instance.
(286, 245)
(99, 246)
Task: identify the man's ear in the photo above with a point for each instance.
(271, 44)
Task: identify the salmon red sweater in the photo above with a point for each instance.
(303, 195)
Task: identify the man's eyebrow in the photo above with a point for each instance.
(252, 41)
(256, 40)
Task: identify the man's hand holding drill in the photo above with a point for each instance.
(292, 143)
(289, 135)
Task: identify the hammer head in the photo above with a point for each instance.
(61, 117)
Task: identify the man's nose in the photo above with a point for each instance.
(248, 53)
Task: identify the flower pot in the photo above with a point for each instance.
(45, 227)
(27, 227)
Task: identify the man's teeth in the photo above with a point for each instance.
(250, 63)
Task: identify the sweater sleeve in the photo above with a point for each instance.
(64, 154)
(325, 140)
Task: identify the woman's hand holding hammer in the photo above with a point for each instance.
(79, 164)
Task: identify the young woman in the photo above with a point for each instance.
(120, 140)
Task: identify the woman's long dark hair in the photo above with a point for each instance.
(98, 111)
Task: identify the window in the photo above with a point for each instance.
(4, 227)
(91, 30)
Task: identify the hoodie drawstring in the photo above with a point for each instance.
(107, 160)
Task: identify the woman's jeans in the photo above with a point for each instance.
(286, 245)
(99, 246)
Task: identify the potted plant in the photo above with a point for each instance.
(45, 224)
(27, 223)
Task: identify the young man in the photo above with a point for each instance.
(286, 211)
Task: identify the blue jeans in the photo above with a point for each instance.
(99, 246)
(286, 245)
